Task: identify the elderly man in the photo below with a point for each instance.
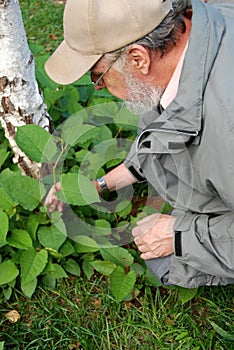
(174, 62)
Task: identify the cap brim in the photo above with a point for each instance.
(66, 65)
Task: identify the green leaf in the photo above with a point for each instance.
(35, 48)
(138, 268)
(102, 227)
(104, 107)
(124, 208)
(104, 267)
(72, 267)
(32, 264)
(122, 283)
(51, 237)
(78, 189)
(58, 272)
(3, 156)
(126, 120)
(151, 280)
(88, 269)
(2, 345)
(73, 132)
(41, 75)
(3, 227)
(20, 239)
(7, 292)
(186, 294)
(85, 244)
(6, 203)
(33, 222)
(66, 249)
(36, 143)
(117, 255)
(85, 80)
(24, 190)
(29, 288)
(8, 272)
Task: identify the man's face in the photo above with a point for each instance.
(121, 82)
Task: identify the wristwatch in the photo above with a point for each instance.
(102, 184)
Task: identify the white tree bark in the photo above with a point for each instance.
(20, 100)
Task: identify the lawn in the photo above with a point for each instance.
(81, 313)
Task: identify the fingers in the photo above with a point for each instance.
(148, 219)
(51, 201)
(154, 236)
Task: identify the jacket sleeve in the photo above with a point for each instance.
(206, 243)
(132, 164)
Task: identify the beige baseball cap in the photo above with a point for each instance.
(95, 27)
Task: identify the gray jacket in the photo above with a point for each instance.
(187, 153)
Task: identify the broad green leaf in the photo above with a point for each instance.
(58, 272)
(122, 283)
(117, 255)
(138, 268)
(36, 143)
(126, 120)
(29, 288)
(3, 156)
(8, 272)
(41, 75)
(88, 269)
(51, 237)
(33, 222)
(2, 345)
(6, 203)
(49, 267)
(24, 190)
(49, 281)
(104, 107)
(85, 80)
(124, 208)
(85, 244)
(72, 267)
(151, 280)
(35, 48)
(80, 155)
(104, 267)
(7, 292)
(102, 227)
(66, 249)
(32, 264)
(20, 239)
(74, 132)
(3, 226)
(104, 134)
(78, 189)
(52, 95)
(186, 294)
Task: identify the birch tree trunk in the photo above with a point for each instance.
(20, 100)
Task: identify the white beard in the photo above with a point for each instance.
(142, 97)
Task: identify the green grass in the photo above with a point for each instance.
(43, 22)
(82, 314)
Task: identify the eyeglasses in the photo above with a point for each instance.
(96, 83)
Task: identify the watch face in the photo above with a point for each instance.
(102, 184)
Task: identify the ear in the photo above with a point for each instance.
(139, 58)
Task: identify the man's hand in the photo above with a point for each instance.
(154, 236)
(52, 201)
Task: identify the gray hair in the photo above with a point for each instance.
(163, 37)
